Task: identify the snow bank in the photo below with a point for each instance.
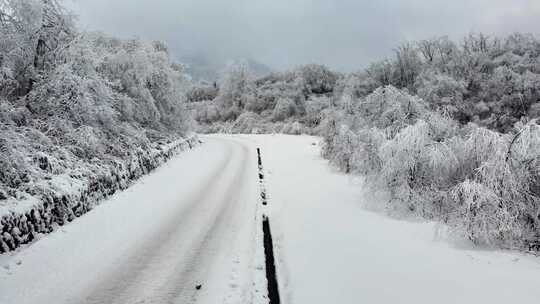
(66, 197)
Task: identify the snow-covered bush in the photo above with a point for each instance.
(207, 112)
(293, 128)
(314, 110)
(256, 104)
(202, 93)
(345, 144)
(441, 91)
(236, 88)
(390, 109)
(246, 123)
(501, 203)
(316, 79)
(284, 109)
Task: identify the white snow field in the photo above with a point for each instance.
(196, 221)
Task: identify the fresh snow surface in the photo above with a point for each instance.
(197, 220)
(331, 250)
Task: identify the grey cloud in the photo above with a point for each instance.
(344, 35)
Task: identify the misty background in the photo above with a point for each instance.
(345, 35)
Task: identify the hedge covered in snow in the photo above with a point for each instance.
(60, 201)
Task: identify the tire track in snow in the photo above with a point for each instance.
(202, 254)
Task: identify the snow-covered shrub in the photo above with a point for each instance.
(366, 158)
(206, 112)
(405, 170)
(293, 128)
(356, 85)
(441, 91)
(246, 123)
(284, 109)
(314, 110)
(202, 93)
(256, 104)
(390, 109)
(509, 177)
(481, 215)
(470, 181)
(317, 79)
(236, 88)
(344, 146)
(12, 161)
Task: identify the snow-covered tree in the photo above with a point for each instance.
(442, 92)
(73, 100)
(32, 32)
(236, 88)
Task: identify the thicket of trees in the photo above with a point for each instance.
(448, 130)
(288, 102)
(492, 82)
(75, 103)
(489, 81)
(482, 183)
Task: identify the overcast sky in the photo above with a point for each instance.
(343, 34)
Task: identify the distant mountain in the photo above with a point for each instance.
(203, 68)
(258, 69)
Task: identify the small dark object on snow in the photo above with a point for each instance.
(198, 287)
(313, 144)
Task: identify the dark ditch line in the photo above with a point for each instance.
(261, 178)
(271, 277)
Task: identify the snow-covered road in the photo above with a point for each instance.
(192, 222)
(197, 221)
